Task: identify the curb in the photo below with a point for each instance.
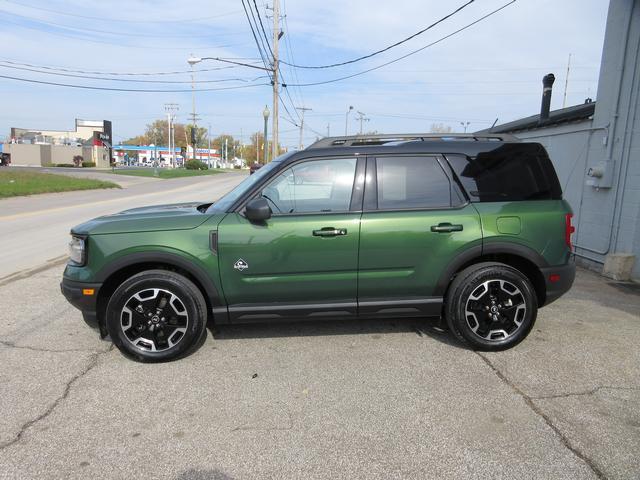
(54, 262)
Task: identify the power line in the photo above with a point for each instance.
(103, 42)
(264, 33)
(408, 54)
(89, 72)
(89, 87)
(107, 32)
(378, 52)
(256, 37)
(120, 79)
(119, 20)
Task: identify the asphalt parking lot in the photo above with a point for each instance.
(369, 399)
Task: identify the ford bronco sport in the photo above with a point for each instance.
(469, 228)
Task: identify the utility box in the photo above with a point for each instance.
(600, 175)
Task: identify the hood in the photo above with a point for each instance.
(176, 216)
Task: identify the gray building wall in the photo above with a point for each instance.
(606, 208)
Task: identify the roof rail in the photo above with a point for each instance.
(381, 139)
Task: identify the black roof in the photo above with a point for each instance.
(556, 117)
(469, 145)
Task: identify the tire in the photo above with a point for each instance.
(491, 306)
(156, 316)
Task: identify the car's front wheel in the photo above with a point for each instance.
(491, 306)
(156, 315)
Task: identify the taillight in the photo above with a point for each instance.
(568, 230)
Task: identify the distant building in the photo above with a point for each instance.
(82, 134)
(595, 148)
(90, 139)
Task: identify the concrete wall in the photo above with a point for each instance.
(27, 155)
(62, 154)
(43, 155)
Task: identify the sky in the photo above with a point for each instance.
(492, 69)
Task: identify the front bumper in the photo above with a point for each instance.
(558, 280)
(77, 294)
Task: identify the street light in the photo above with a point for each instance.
(465, 125)
(346, 121)
(192, 61)
(265, 114)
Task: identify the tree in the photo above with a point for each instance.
(157, 133)
(440, 128)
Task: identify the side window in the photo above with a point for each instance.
(316, 186)
(412, 182)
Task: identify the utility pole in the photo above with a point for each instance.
(566, 83)
(192, 61)
(170, 108)
(302, 109)
(328, 129)
(276, 94)
(362, 118)
(209, 152)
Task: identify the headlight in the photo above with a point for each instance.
(77, 250)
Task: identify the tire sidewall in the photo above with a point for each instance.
(184, 289)
(470, 283)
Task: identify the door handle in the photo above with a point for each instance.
(329, 232)
(446, 228)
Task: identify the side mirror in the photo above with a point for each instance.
(258, 210)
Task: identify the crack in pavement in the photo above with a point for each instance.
(531, 404)
(93, 362)
(49, 350)
(585, 393)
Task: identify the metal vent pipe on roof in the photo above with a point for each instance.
(547, 87)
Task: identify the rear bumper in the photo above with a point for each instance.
(77, 295)
(558, 280)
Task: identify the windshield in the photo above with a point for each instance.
(230, 198)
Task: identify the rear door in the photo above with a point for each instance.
(415, 221)
(302, 262)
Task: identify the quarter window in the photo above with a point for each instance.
(412, 182)
(317, 186)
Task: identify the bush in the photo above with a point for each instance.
(88, 164)
(63, 165)
(195, 165)
(77, 160)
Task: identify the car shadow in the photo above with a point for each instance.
(423, 327)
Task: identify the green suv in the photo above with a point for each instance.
(472, 229)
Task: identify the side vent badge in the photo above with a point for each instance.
(240, 265)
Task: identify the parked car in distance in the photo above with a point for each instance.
(254, 167)
(469, 228)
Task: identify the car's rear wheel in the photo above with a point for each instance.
(156, 315)
(491, 306)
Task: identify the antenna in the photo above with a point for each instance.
(566, 83)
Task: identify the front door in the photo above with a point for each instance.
(415, 221)
(303, 261)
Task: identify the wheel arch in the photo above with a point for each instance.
(124, 267)
(522, 258)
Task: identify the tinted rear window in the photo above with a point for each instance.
(511, 172)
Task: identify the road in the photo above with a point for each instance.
(387, 399)
(35, 230)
